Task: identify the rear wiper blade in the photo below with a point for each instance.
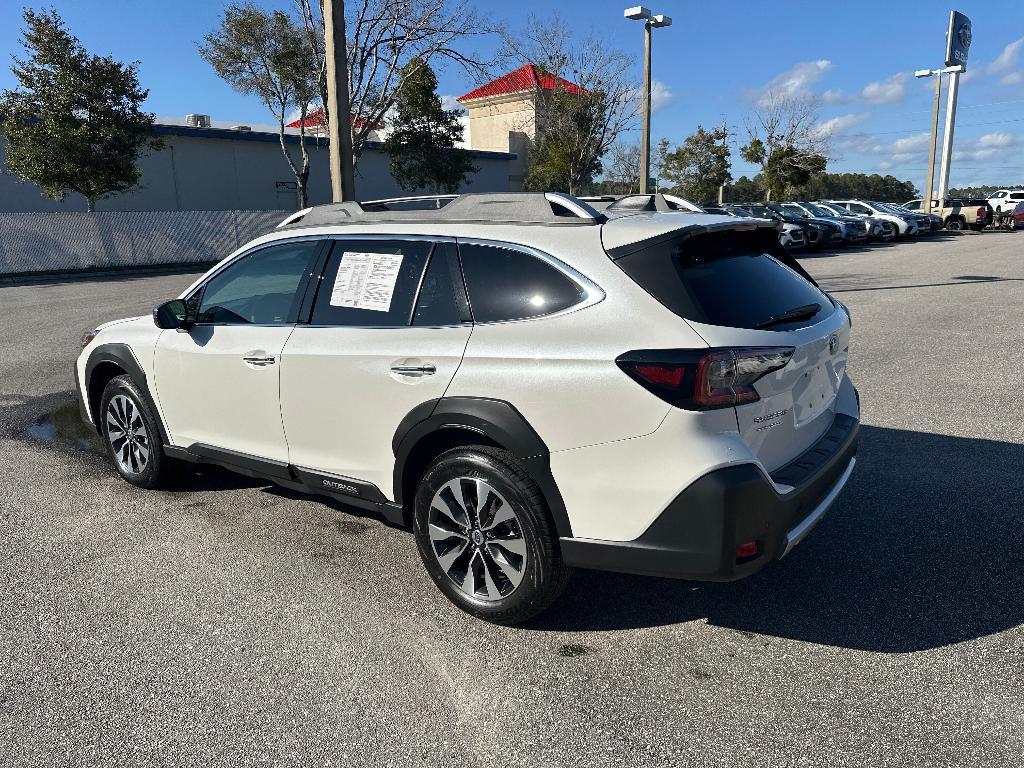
(797, 313)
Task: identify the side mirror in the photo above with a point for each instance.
(171, 314)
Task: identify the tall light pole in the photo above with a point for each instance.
(339, 120)
(639, 13)
(929, 185)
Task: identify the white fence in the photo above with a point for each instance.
(32, 243)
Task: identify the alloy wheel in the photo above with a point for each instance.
(127, 434)
(477, 538)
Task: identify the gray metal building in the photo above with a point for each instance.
(218, 169)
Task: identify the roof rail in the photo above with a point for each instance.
(491, 207)
(293, 218)
(654, 202)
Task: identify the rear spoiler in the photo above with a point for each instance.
(770, 230)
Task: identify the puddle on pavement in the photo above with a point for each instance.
(63, 427)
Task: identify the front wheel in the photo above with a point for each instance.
(132, 435)
(485, 536)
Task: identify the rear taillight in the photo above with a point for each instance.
(982, 213)
(696, 380)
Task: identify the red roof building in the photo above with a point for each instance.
(315, 120)
(528, 77)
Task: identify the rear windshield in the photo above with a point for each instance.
(736, 279)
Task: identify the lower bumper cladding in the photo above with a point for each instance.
(697, 535)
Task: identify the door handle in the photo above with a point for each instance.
(258, 362)
(414, 370)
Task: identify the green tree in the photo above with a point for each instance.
(267, 55)
(793, 147)
(558, 162)
(73, 123)
(699, 166)
(870, 187)
(745, 190)
(586, 102)
(421, 148)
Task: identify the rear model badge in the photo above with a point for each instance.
(833, 344)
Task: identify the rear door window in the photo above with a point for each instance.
(371, 283)
(735, 279)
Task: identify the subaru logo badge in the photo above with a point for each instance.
(833, 344)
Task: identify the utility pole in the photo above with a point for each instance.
(338, 110)
(930, 185)
(947, 136)
(725, 143)
(929, 189)
(639, 13)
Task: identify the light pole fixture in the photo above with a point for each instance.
(651, 21)
(937, 74)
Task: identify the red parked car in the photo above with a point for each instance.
(1017, 220)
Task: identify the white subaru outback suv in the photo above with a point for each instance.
(528, 383)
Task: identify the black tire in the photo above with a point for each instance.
(156, 468)
(544, 575)
(955, 222)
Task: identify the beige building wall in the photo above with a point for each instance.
(505, 123)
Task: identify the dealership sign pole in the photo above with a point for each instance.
(958, 41)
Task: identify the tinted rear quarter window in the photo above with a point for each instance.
(728, 278)
(508, 284)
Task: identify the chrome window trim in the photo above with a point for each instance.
(592, 292)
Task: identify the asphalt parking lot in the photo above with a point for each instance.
(227, 622)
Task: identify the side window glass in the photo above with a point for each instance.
(371, 283)
(436, 304)
(258, 289)
(505, 284)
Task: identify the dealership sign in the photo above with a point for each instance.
(958, 39)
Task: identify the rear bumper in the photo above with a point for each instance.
(697, 534)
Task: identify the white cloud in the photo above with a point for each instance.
(889, 91)
(840, 124)
(661, 95)
(837, 96)
(1011, 79)
(449, 102)
(976, 154)
(913, 143)
(1006, 60)
(997, 139)
(795, 81)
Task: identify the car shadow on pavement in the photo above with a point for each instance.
(922, 550)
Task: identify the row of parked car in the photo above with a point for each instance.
(829, 223)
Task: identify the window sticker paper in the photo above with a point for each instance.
(366, 280)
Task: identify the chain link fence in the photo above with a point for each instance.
(37, 243)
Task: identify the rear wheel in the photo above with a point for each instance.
(485, 535)
(955, 222)
(132, 435)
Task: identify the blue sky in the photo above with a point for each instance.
(709, 66)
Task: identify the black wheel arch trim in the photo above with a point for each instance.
(122, 356)
(497, 420)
